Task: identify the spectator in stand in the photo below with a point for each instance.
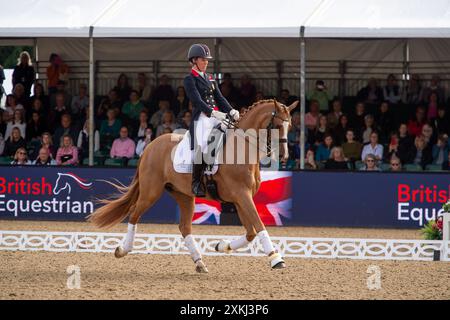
(432, 106)
(357, 120)
(163, 106)
(324, 149)
(38, 107)
(340, 130)
(21, 157)
(440, 150)
(391, 91)
(247, 92)
(285, 97)
(110, 128)
(422, 152)
(46, 142)
(336, 113)
(185, 120)
(312, 117)
(39, 94)
(83, 141)
(164, 91)
(412, 93)
(181, 101)
(21, 97)
(446, 164)
(373, 147)
(66, 128)
(321, 95)
(385, 122)
(111, 101)
(144, 141)
(56, 71)
(24, 72)
(35, 127)
(61, 90)
(442, 121)
(405, 144)
(317, 135)
(58, 111)
(429, 134)
(17, 122)
(144, 90)
(368, 128)
(228, 89)
(44, 158)
(337, 160)
(371, 94)
(352, 148)
(415, 125)
(294, 134)
(132, 109)
(395, 164)
(14, 142)
(10, 107)
(123, 147)
(167, 121)
(310, 163)
(122, 88)
(79, 102)
(434, 88)
(143, 124)
(370, 163)
(67, 154)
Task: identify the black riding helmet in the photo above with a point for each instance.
(199, 50)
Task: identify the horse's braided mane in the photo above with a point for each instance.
(255, 104)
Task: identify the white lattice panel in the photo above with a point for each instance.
(376, 249)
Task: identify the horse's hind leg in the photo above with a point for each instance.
(145, 201)
(187, 204)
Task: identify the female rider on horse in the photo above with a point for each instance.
(209, 108)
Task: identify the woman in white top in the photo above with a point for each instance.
(83, 140)
(16, 121)
(144, 141)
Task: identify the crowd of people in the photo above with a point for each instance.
(387, 127)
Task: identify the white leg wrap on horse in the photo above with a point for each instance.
(266, 242)
(239, 243)
(129, 239)
(192, 247)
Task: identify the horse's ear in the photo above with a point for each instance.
(277, 106)
(293, 106)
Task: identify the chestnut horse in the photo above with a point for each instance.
(236, 183)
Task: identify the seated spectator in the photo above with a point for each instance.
(167, 121)
(24, 72)
(428, 134)
(436, 88)
(144, 141)
(181, 101)
(310, 163)
(321, 95)
(132, 108)
(228, 89)
(14, 142)
(39, 94)
(368, 128)
(432, 107)
(422, 152)
(110, 128)
(385, 122)
(163, 106)
(56, 71)
(357, 119)
(123, 147)
(143, 89)
(185, 120)
(440, 150)
(337, 160)
(405, 144)
(21, 97)
(317, 135)
(323, 150)
(371, 94)
(351, 148)
(83, 141)
(67, 154)
(335, 115)
(395, 164)
(312, 117)
(79, 102)
(294, 132)
(164, 90)
(370, 163)
(21, 157)
(112, 101)
(285, 97)
(66, 128)
(35, 127)
(340, 131)
(44, 158)
(412, 94)
(442, 121)
(17, 122)
(122, 88)
(247, 92)
(37, 106)
(415, 125)
(61, 91)
(46, 142)
(391, 91)
(373, 147)
(58, 110)
(143, 124)
(11, 106)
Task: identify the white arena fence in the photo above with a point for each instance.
(292, 247)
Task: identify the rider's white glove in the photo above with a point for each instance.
(234, 114)
(218, 115)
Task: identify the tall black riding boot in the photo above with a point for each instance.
(197, 173)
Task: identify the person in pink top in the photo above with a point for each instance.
(67, 154)
(123, 147)
(312, 117)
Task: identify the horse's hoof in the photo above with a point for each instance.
(276, 261)
(120, 253)
(200, 267)
(223, 246)
(279, 265)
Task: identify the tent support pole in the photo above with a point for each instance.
(406, 75)
(217, 44)
(302, 97)
(91, 97)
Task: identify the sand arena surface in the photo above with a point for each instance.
(43, 275)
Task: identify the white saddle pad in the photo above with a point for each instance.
(182, 161)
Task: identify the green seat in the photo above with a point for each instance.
(133, 162)
(433, 167)
(359, 165)
(412, 167)
(5, 160)
(97, 162)
(385, 167)
(101, 153)
(114, 162)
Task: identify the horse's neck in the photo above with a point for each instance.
(257, 117)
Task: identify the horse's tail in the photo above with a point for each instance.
(116, 210)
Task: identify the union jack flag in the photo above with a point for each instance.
(273, 201)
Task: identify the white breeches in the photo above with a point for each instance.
(203, 128)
